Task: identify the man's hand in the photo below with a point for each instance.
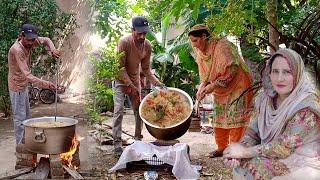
(131, 89)
(61, 89)
(237, 150)
(51, 86)
(135, 90)
(55, 53)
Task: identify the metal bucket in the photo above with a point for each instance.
(49, 140)
(172, 132)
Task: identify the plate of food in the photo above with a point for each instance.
(166, 108)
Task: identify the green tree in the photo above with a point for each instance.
(111, 23)
(113, 17)
(172, 60)
(106, 68)
(295, 22)
(248, 20)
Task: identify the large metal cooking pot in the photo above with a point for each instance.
(172, 132)
(49, 140)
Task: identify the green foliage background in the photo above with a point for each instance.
(106, 68)
(245, 20)
(248, 21)
(111, 23)
(172, 61)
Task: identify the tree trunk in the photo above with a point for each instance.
(273, 26)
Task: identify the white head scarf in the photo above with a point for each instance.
(271, 122)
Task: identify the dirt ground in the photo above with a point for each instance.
(96, 162)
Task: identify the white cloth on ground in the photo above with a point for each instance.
(176, 155)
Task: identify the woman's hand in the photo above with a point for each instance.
(201, 92)
(210, 87)
(231, 162)
(253, 171)
(237, 150)
(205, 89)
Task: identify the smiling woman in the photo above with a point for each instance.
(281, 77)
(283, 138)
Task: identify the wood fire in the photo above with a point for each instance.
(67, 156)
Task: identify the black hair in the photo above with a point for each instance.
(198, 33)
(272, 60)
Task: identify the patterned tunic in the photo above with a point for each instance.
(225, 68)
(298, 131)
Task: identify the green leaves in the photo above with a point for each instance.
(231, 18)
(106, 65)
(196, 9)
(160, 112)
(113, 18)
(106, 68)
(244, 19)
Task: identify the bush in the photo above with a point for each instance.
(106, 68)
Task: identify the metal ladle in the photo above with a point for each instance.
(68, 26)
(56, 90)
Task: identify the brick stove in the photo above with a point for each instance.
(25, 158)
(57, 166)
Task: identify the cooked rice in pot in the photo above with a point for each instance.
(165, 108)
(45, 124)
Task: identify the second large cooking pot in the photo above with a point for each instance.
(49, 140)
(172, 132)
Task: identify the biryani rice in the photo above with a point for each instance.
(165, 108)
(48, 124)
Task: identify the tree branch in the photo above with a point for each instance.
(309, 46)
(302, 2)
(288, 4)
(309, 22)
(271, 25)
